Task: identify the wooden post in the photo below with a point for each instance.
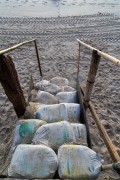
(78, 62)
(11, 85)
(110, 147)
(39, 65)
(91, 77)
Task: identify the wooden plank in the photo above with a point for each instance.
(102, 54)
(91, 77)
(111, 148)
(15, 46)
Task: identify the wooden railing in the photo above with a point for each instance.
(95, 60)
(21, 44)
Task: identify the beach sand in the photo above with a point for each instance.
(58, 50)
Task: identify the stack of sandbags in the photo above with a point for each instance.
(25, 130)
(78, 162)
(32, 162)
(45, 90)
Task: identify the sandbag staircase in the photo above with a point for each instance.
(51, 142)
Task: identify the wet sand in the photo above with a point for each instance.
(58, 49)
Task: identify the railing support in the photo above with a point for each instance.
(110, 147)
(78, 62)
(91, 77)
(38, 59)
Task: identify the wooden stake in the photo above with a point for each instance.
(102, 54)
(91, 77)
(111, 148)
(78, 63)
(39, 65)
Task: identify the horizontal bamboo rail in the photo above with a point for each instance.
(16, 46)
(21, 44)
(102, 54)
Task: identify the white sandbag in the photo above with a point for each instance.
(67, 89)
(54, 135)
(67, 97)
(73, 112)
(48, 87)
(60, 81)
(78, 162)
(79, 132)
(33, 161)
(25, 130)
(41, 85)
(46, 98)
(52, 113)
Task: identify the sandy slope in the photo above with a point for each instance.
(58, 50)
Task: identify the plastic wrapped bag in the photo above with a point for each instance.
(52, 113)
(67, 97)
(78, 162)
(73, 112)
(67, 89)
(25, 130)
(41, 85)
(54, 135)
(48, 87)
(46, 98)
(79, 132)
(60, 81)
(33, 161)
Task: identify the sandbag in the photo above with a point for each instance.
(54, 135)
(25, 130)
(52, 113)
(78, 162)
(67, 97)
(46, 98)
(41, 85)
(73, 112)
(60, 81)
(33, 161)
(79, 132)
(48, 87)
(67, 88)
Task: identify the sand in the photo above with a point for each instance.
(58, 49)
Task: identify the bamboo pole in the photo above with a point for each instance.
(102, 54)
(38, 59)
(111, 148)
(15, 46)
(91, 77)
(78, 62)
